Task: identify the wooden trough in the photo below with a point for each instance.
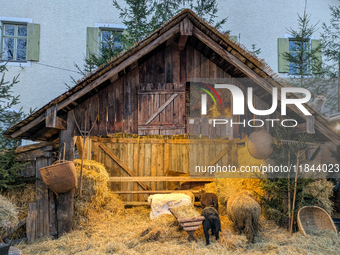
(190, 225)
(314, 218)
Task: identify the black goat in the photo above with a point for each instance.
(211, 221)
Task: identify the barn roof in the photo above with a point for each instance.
(235, 54)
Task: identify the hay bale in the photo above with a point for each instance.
(97, 202)
(8, 214)
(260, 144)
(244, 212)
(322, 190)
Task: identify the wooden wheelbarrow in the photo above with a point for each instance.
(190, 225)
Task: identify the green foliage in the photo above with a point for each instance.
(254, 50)
(275, 200)
(135, 17)
(164, 10)
(306, 66)
(8, 167)
(331, 52)
(207, 9)
(304, 61)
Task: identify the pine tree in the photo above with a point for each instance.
(305, 65)
(135, 18)
(207, 10)
(331, 49)
(8, 167)
(164, 10)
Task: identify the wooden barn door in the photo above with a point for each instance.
(161, 109)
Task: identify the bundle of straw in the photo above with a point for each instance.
(97, 201)
(8, 214)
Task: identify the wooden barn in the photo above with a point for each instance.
(145, 92)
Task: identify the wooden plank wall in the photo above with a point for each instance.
(117, 104)
(154, 157)
(41, 218)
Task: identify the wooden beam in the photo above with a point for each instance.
(186, 27)
(160, 179)
(51, 116)
(161, 91)
(65, 201)
(161, 108)
(122, 165)
(28, 126)
(153, 191)
(31, 222)
(220, 155)
(45, 152)
(310, 120)
(259, 80)
(160, 126)
(30, 147)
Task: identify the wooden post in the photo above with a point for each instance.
(42, 224)
(65, 201)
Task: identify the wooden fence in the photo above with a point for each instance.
(133, 157)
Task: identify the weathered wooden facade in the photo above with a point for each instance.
(145, 91)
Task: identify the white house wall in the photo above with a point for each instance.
(63, 35)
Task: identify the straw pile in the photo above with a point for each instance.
(322, 190)
(8, 214)
(97, 203)
(229, 186)
(127, 235)
(21, 197)
(185, 211)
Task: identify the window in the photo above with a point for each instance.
(295, 49)
(291, 46)
(19, 40)
(109, 36)
(103, 35)
(14, 42)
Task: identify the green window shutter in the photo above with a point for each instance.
(234, 38)
(316, 51)
(283, 46)
(33, 42)
(92, 41)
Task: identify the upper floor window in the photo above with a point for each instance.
(298, 62)
(104, 36)
(14, 42)
(19, 40)
(111, 37)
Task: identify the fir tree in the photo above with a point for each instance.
(305, 65)
(331, 49)
(135, 18)
(207, 10)
(8, 167)
(164, 10)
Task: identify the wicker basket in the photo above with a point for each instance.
(260, 144)
(314, 218)
(61, 177)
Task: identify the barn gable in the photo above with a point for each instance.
(143, 90)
